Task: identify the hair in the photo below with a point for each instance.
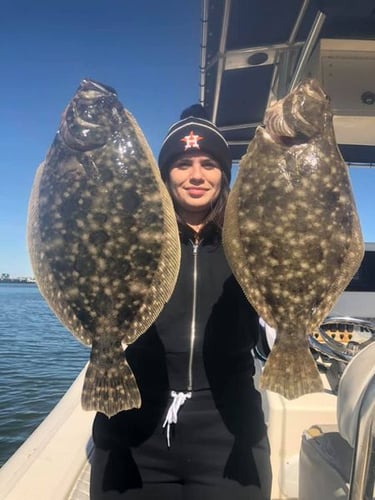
(216, 214)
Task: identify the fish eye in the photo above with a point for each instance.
(87, 123)
(89, 112)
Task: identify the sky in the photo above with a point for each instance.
(149, 51)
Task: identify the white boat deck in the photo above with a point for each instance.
(287, 420)
(81, 489)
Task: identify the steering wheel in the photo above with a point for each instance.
(336, 350)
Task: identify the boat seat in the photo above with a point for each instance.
(333, 457)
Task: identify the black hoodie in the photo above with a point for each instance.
(225, 329)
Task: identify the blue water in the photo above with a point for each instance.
(39, 359)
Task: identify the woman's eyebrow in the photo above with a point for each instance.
(211, 161)
(183, 160)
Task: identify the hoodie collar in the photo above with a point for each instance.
(208, 235)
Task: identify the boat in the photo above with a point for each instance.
(54, 462)
(322, 445)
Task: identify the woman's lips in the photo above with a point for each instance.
(196, 192)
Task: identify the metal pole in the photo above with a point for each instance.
(309, 45)
(281, 72)
(221, 58)
(204, 34)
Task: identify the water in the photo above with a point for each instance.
(39, 359)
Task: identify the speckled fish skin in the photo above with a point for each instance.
(103, 239)
(291, 231)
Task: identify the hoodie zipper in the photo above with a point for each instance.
(193, 315)
(179, 398)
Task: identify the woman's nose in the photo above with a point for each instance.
(196, 171)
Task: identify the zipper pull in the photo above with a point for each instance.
(195, 244)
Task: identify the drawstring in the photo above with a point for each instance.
(179, 399)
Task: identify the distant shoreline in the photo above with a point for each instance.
(17, 281)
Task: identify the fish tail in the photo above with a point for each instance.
(110, 390)
(291, 372)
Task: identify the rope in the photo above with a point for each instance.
(178, 399)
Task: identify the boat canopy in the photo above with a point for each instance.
(255, 51)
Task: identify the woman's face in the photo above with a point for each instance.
(195, 183)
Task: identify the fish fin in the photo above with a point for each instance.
(111, 389)
(290, 372)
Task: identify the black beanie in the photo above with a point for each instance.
(194, 133)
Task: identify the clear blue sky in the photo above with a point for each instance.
(149, 51)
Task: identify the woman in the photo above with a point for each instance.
(200, 433)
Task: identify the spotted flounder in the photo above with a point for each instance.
(103, 239)
(291, 231)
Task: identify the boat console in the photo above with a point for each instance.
(339, 462)
(316, 441)
(322, 441)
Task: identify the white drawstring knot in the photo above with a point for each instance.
(179, 399)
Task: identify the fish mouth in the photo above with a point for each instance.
(295, 116)
(284, 140)
(87, 85)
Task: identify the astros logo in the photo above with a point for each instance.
(191, 140)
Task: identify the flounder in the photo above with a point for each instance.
(103, 239)
(291, 231)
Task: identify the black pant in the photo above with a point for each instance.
(205, 461)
